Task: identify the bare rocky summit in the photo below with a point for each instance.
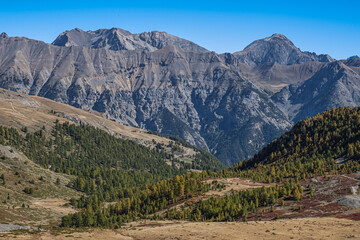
(277, 49)
(229, 104)
(119, 39)
(355, 56)
(3, 35)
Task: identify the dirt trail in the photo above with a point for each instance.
(12, 106)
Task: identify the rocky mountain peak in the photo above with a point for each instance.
(3, 35)
(355, 56)
(277, 36)
(161, 39)
(354, 62)
(120, 39)
(220, 103)
(74, 37)
(119, 30)
(277, 49)
(276, 40)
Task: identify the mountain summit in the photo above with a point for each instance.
(229, 104)
(3, 35)
(277, 49)
(120, 39)
(355, 56)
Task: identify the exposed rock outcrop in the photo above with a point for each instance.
(277, 49)
(229, 104)
(119, 39)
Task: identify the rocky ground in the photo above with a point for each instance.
(12, 227)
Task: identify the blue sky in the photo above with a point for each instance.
(331, 27)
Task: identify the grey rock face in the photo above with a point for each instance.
(229, 104)
(3, 35)
(355, 56)
(119, 39)
(277, 49)
(335, 84)
(200, 97)
(12, 227)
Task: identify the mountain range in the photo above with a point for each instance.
(230, 104)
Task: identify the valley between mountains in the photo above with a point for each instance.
(113, 135)
(307, 180)
(229, 104)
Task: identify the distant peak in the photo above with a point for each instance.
(3, 35)
(119, 30)
(352, 57)
(120, 39)
(159, 32)
(277, 35)
(277, 49)
(78, 30)
(275, 39)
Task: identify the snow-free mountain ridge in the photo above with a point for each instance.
(229, 104)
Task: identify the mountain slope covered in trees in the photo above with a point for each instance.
(105, 168)
(311, 148)
(314, 146)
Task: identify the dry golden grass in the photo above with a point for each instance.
(54, 204)
(235, 184)
(19, 110)
(45, 205)
(304, 228)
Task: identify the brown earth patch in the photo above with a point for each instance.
(233, 184)
(353, 216)
(54, 204)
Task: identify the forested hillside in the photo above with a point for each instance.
(327, 144)
(106, 168)
(312, 148)
(125, 181)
